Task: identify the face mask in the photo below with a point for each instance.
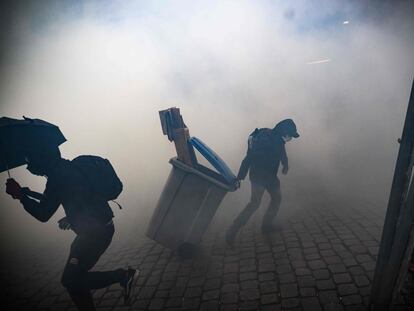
(35, 167)
(287, 138)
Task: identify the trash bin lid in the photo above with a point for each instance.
(214, 160)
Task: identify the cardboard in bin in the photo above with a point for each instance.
(188, 202)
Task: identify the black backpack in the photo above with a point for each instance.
(260, 143)
(100, 175)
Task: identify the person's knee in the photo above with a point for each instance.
(255, 203)
(71, 277)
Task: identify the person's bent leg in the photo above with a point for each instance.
(275, 199)
(101, 279)
(72, 280)
(257, 192)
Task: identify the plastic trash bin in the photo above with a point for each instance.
(186, 206)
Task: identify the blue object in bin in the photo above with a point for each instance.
(214, 160)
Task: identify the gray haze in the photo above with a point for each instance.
(101, 70)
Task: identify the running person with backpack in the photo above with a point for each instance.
(83, 186)
(266, 150)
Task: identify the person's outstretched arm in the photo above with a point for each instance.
(284, 160)
(244, 167)
(43, 209)
(33, 194)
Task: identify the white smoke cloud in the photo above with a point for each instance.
(102, 70)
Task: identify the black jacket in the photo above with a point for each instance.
(265, 170)
(68, 187)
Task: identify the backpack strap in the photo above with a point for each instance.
(119, 205)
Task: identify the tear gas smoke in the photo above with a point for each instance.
(102, 70)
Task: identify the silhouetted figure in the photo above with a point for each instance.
(266, 150)
(88, 214)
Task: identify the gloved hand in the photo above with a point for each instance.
(285, 170)
(238, 183)
(64, 224)
(13, 188)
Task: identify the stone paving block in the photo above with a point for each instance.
(210, 306)
(365, 291)
(267, 268)
(141, 304)
(266, 260)
(357, 270)
(321, 274)
(290, 303)
(192, 292)
(246, 276)
(311, 304)
(230, 278)
(269, 299)
(156, 304)
(249, 294)
(347, 289)
(333, 260)
(286, 278)
(361, 280)
(283, 269)
(266, 276)
(229, 307)
(182, 281)
(231, 267)
(325, 284)
(298, 264)
(268, 287)
(302, 271)
(249, 284)
(352, 300)
(248, 306)
(289, 290)
(227, 298)
(162, 294)
(211, 294)
(282, 261)
(369, 266)
(174, 302)
(107, 302)
(332, 306)
(212, 284)
(349, 262)
(337, 268)
(177, 292)
(363, 258)
(342, 278)
(306, 281)
(328, 297)
(307, 291)
(228, 288)
(190, 303)
(316, 264)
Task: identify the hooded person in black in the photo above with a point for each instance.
(88, 216)
(266, 150)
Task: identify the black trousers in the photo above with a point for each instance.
(258, 189)
(85, 251)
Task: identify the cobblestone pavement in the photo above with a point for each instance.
(320, 259)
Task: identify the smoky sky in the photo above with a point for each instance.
(101, 70)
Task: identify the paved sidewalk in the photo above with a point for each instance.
(321, 259)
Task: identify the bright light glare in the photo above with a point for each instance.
(346, 22)
(319, 61)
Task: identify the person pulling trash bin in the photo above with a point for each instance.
(266, 150)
